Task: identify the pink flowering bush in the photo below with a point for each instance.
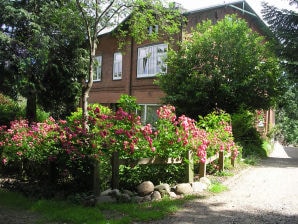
(220, 136)
(67, 152)
(24, 146)
(175, 136)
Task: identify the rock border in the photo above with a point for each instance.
(146, 191)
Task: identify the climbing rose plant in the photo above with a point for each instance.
(176, 135)
(67, 144)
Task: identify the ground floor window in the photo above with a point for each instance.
(148, 113)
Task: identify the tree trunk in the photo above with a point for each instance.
(87, 87)
(31, 106)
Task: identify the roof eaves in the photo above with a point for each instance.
(212, 7)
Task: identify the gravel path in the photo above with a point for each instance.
(264, 194)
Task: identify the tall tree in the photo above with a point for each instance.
(28, 45)
(67, 62)
(223, 66)
(42, 54)
(284, 25)
(97, 15)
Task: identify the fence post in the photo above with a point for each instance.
(96, 181)
(202, 169)
(221, 160)
(189, 167)
(115, 170)
(232, 161)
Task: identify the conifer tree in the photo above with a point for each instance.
(284, 25)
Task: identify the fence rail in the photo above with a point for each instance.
(116, 162)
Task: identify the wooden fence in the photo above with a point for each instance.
(116, 162)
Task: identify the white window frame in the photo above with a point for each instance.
(153, 29)
(150, 60)
(144, 118)
(97, 68)
(117, 66)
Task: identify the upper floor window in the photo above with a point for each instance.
(97, 68)
(117, 68)
(153, 29)
(151, 60)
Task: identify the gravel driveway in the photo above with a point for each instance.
(266, 194)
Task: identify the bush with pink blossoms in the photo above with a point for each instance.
(67, 152)
(220, 136)
(27, 147)
(177, 135)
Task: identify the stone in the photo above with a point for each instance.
(184, 188)
(105, 199)
(147, 198)
(145, 188)
(111, 192)
(198, 187)
(106, 192)
(155, 196)
(130, 193)
(173, 194)
(164, 189)
(205, 180)
(124, 198)
(115, 193)
(137, 199)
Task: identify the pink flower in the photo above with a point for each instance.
(19, 153)
(96, 110)
(62, 121)
(4, 161)
(103, 133)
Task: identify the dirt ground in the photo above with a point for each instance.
(264, 194)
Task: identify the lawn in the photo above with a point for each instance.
(112, 213)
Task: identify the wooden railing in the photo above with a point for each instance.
(116, 162)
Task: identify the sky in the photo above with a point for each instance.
(255, 4)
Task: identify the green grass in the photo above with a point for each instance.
(267, 147)
(217, 187)
(252, 160)
(224, 173)
(109, 213)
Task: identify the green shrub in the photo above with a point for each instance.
(246, 134)
(9, 110)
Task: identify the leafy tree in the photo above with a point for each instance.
(287, 117)
(41, 54)
(99, 15)
(22, 34)
(67, 59)
(223, 66)
(284, 25)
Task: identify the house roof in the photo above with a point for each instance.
(245, 9)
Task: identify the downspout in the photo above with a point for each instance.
(131, 66)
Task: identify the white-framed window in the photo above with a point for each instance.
(151, 60)
(117, 67)
(148, 113)
(153, 29)
(97, 68)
